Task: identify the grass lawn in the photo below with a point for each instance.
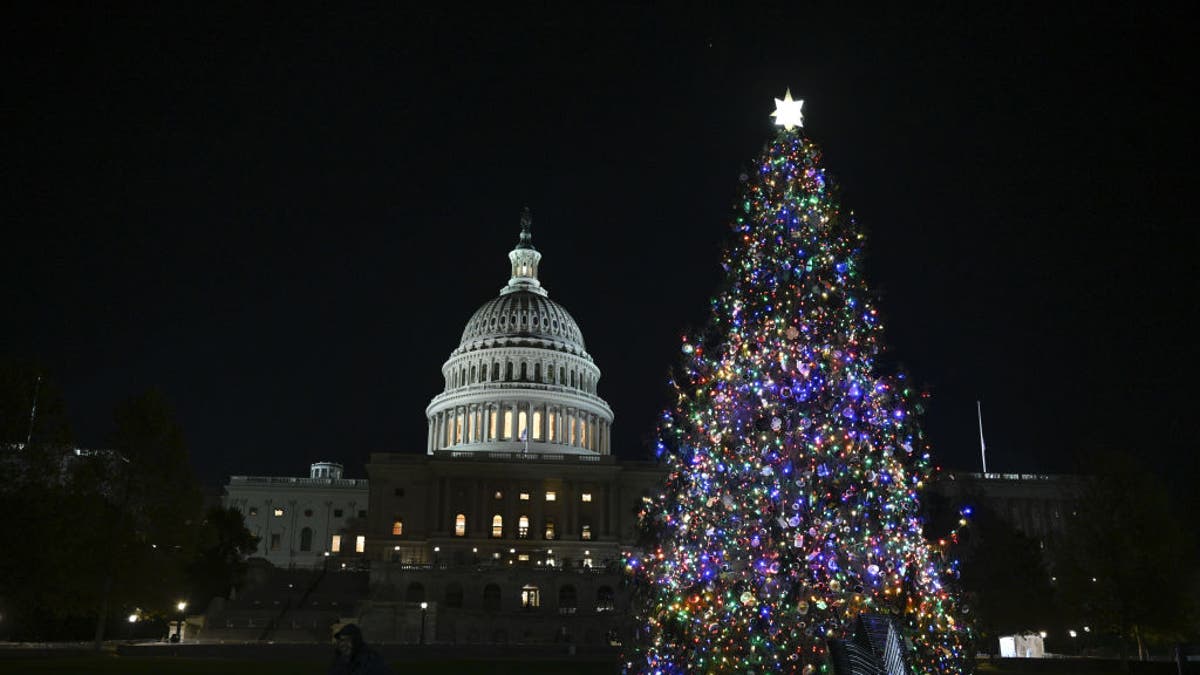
(157, 665)
(142, 665)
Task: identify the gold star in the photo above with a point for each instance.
(787, 112)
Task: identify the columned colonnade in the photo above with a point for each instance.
(505, 421)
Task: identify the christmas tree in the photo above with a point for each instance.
(791, 504)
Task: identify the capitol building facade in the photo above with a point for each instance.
(510, 527)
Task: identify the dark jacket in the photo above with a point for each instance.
(365, 661)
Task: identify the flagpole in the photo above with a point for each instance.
(982, 447)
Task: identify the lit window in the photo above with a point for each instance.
(537, 425)
(530, 597)
(523, 425)
(360, 543)
(549, 529)
(587, 562)
(585, 497)
(460, 525)
(397, 527)
(523, 527)
(497, 526)
(508, 424)
(278, 511)
(491, 425)
(551, 496)
(585, 532)
(335, 543)
(523, 557)
(551, 422)
(524, 496)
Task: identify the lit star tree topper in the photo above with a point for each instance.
(792, 500)
(787, 112)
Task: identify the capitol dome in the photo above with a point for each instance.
(521, 380)
(522, 318)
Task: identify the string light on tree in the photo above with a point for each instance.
(791, 503)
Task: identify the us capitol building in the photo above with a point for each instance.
(510, 527)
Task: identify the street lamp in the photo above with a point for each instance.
(424, 607)
(180, 606)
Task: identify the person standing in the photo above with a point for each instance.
(354, 657)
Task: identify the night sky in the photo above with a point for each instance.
(284, 218)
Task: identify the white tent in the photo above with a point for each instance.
(1025, 646)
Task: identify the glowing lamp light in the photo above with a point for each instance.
(133, 618)
(181, 605)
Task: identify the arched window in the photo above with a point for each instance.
(491, 598)
(415, 592)
(460, 525)
(508, 371)
(537, 372)
(523, 527)
(523, 372)
(537, 425)
(397, 527)
(568, 600)
(585, 530)
(306, 539)
(497, 526)
(508, 425)
(495, 371)
(552, 423)
(549, 528)
(531, 597)
(454, 594)
(605, 599)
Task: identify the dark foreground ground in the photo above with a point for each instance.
(314, 660)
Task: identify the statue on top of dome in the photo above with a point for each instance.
(526, 225)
